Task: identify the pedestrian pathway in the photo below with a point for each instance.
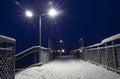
(67, 67)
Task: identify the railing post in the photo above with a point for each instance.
(85, 54)
(35, 58)
(115, 57)
(39, 54)
(14, 49)
(106, 58)
(99, 55)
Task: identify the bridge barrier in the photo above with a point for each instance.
(106, 53)
(108, 56)
(35, 55)
(7, 59)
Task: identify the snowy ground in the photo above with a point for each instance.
(67, 68)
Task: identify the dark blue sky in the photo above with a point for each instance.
(91, 19)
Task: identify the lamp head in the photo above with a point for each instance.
(52, 12)
(28, 13)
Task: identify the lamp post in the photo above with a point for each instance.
(52, 12)
(81, 42)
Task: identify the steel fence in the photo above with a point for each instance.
(7, 59)
(35, 55)
(106, 53)
(109, 57)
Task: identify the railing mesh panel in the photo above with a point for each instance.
(6, 64)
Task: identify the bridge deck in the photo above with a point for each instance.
(67, 67)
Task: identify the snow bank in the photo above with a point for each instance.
(67, 68)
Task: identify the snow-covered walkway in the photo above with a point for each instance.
(67, 67)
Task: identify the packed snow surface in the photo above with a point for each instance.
(67, 67)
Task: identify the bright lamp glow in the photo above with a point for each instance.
(61, 41)
(52, 12)
(29, 13)
(50, 3)
(63, 50)
(58, 50)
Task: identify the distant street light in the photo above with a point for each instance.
(61, 41)
(58, 50)
(62, 50)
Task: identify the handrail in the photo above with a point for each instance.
(106, 40)
(97, 48)
(7, 39)
(25, 55)
(94, 45)
(6, 49)
(25, 51)
(106, 53)
(30, 49)
(31, 56)
(112, 38)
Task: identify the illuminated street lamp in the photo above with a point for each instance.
(62, 50)
(61, 41)
(52, 12)
(29, 13)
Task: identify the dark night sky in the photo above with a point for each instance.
(93, 20)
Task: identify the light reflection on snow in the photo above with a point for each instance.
(67, 68)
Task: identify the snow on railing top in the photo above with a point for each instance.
(94, 45)
(117, 36)
(5, 49)
(43, 48)
(7, 39)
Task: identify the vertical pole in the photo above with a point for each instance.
(82, 43)
(106, 55)
(35, 58)
(49, 46)
(14, 50)
(39, 30)
(85, 54)
(40, 56)
(83, 47)
(115, 57)
(49, 43)
(99, 59)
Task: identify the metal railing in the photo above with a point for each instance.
(106, 53)
(7, 59)
(35, 55)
